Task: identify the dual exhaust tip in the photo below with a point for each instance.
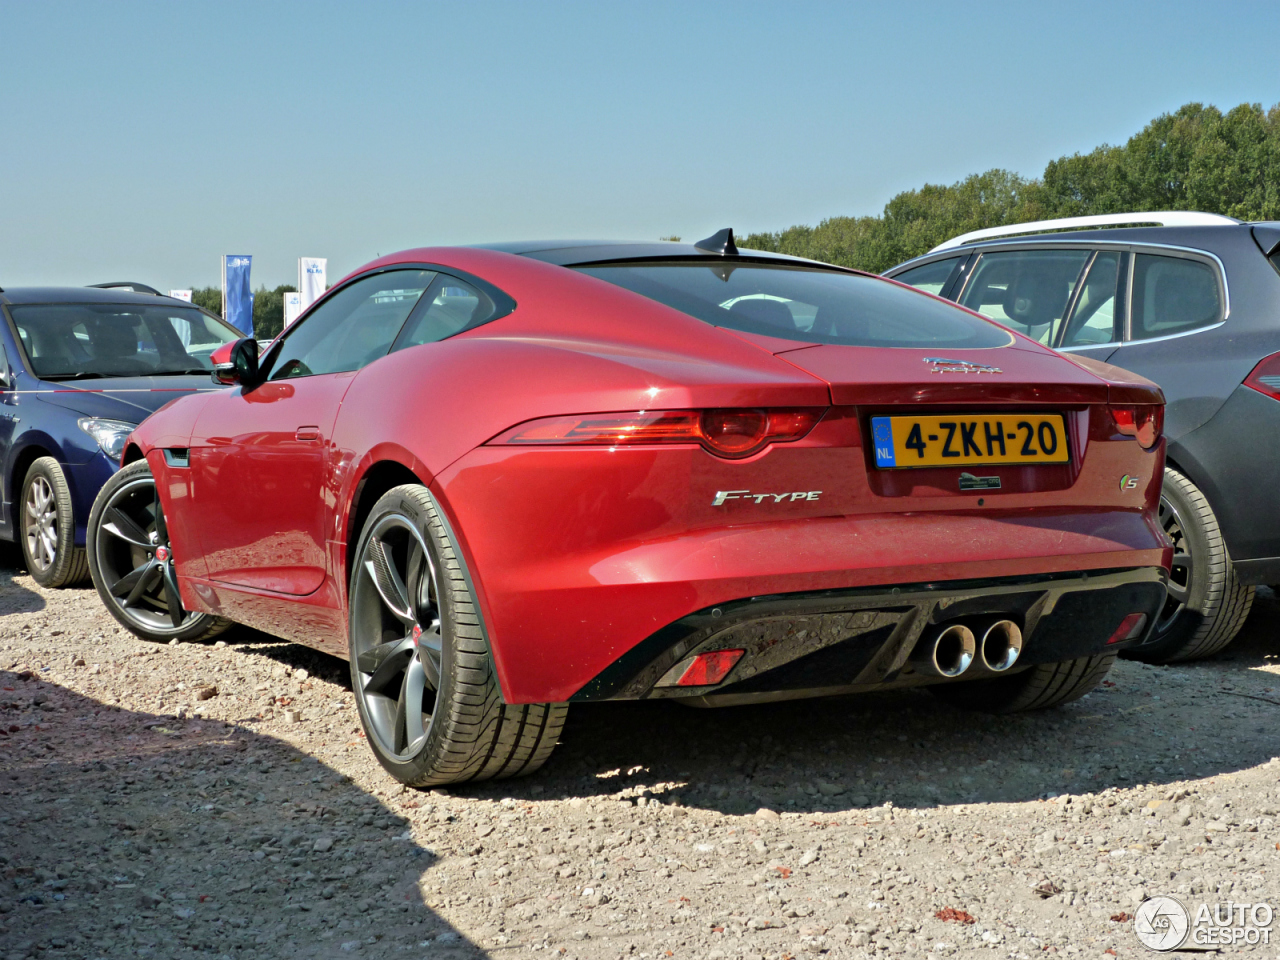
(950, 651)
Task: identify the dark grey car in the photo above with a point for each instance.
(1193, 303)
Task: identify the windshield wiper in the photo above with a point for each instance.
(82, 375)
(179, 373)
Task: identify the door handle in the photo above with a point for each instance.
(307, 433)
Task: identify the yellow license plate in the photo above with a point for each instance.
(960, 440)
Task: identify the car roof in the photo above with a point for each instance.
(29, 295)
(1208, 238)
(575, 252)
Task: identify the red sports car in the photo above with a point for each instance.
(503, 479)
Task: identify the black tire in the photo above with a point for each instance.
(46, 527)
(424, 680)
(1036, 688)
(131, 561)
(1206, 605)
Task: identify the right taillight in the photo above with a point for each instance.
(726, 433)
(1265, 377)
(1143, 421)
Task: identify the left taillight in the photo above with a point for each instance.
(731, 433)
(1265, 377)
(1144, 422)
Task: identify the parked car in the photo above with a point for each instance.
(1191, 301)
(80, 367)
(503, 479)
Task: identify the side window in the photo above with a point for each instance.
(929, 277)
(1026, 290)
(352, 328)
(1093, 321)
(450, 306)
(1172, 295)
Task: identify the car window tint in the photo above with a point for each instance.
(352, 327)
(450, 306)
(929, 277)
(1172, 295)
(803, 303)
(1027, 290)
(1093, 321)
(67, 340)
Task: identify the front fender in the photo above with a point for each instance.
(171, 425)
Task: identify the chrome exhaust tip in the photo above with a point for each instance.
(950, 652)
(1001, 645)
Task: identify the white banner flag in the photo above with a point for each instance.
(311, 279)
(181, 295)
(292, 307)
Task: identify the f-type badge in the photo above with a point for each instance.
(943, 365)
(969, 482)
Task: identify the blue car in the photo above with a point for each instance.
(80, 367)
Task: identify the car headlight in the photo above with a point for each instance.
(110, 435)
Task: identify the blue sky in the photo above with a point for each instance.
(142, 140)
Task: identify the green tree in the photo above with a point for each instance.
(1196, 158)
(268, 310)
(208, 297)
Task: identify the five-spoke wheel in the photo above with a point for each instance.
(396, 645)
(132, 561)
(421, 668)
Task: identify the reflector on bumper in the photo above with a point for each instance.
(704, 670)
(1130, 628)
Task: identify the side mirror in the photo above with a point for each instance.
(236, 362)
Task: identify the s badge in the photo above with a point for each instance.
(1128, 483)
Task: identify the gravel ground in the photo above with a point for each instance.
(219, 801)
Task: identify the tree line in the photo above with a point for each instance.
(1196, 158)
(268, 307)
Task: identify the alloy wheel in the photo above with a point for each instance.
(41, 523)
(135, 557)
(1182, 571)
(397, 646)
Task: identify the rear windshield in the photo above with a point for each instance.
(801, 303)
(76, 341)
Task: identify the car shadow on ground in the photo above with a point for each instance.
(125, 833)
(15, 598)
(1145, 725)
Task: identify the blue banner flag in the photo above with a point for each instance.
(237, 295)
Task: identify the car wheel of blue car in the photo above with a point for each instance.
(47, 526)
(132, 561)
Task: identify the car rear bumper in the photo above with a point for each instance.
(576, 558)
(846, 641)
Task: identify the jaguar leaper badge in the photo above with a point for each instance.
(969, 482)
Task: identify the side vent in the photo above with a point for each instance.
(177, 456)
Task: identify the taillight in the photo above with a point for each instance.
(726, 433)
(1265, 377)
(1144, 422)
